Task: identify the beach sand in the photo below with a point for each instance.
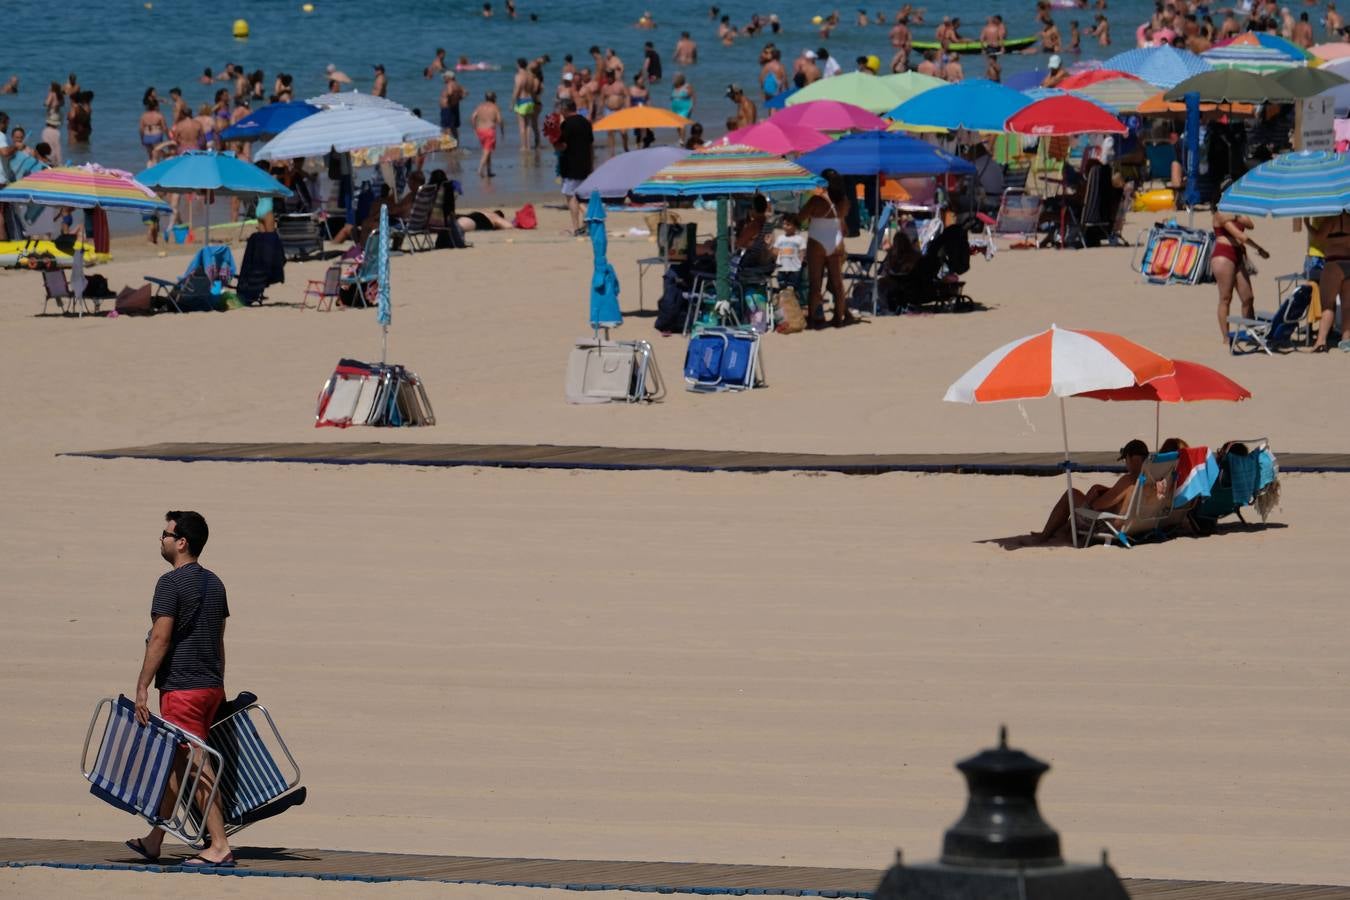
(722, 668)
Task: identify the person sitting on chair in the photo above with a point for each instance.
(1099, 497)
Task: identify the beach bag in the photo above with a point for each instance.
(673, 306)
(526, 219)
(791, 316)
(96, 287)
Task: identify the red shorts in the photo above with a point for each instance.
(192, 710)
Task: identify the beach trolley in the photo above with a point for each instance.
(132, 763)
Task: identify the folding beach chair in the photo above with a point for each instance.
(416, 228)
(1249, 475)
(864, 269)
(1172, 254)
(1283, 329)
(57, 289)
(301, 236)
(237, 763)
(324, 290)
(1019, 215)
(723, 359)
(600, 371)
(1149, 512)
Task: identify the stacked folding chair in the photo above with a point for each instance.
(723, 359)
(600, 371)
(237, 764)
(1173, 254)
(359, 393)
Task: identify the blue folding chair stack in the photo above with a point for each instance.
(723, 359)
(237, 763)
(132, 766)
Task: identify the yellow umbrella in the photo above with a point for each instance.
(641, 117)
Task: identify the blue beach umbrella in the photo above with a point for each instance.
(1024, 81)
(604, 283)
(268, 121)
(1165, 67)
(976, 105)
(216, 173)
(779, 101)
(383, 312)
(884, 153)
(1304, 183)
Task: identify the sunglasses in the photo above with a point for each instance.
(169, 534)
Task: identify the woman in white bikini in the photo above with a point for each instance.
(825, 251)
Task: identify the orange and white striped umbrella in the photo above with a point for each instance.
(1058, 361)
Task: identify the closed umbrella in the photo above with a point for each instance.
(974, 104)
(1188, 383)
(213, 173)
(723, 172)
(1063, 116)
(605, 311)
(775, 137)
(384, 314)
(829, 115)
(1163, 67)
(1302, 183)
(1061, 362)
(633, 117)
(618, 175)
(268, 121)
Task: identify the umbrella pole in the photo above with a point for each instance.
(384, 344)
(1068, 473)
(723, 252)
(1157, 425)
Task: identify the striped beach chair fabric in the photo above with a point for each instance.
(250, 776)
(134, 761)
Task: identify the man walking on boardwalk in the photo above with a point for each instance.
(185, 657)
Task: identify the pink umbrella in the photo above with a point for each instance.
(1338, 50)
(772, 136)
(830, 115)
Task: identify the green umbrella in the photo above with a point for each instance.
(911, 84)
(1231, 86)
(876, 95)
(1306, 82)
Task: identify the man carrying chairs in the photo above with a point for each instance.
(201, 770)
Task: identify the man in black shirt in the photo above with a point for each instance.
(185, 656)
(576, 146)
(651, 63)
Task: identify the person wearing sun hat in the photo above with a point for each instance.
(1056, 74)
(51, 136)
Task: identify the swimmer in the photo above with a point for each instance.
(645, 22)
(380, 87)
(436, 65)
(487, 10)
(523, 91)
(335, 74)
(686, 51)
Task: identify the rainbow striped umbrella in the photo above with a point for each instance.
(725, 171)
(1305, 183)
(84, 187)
(1260, 54)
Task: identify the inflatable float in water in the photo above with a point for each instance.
(974, 46)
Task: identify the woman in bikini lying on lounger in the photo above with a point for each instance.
(1099, 497)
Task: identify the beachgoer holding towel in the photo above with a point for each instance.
(185, 657)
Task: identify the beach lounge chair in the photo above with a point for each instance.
(361, 280)
(1149, 512)
(324, 290)
(1283, 329)
(301, 236)
(864, 269)
(416, 228)
(1172, 254)
(1248, 476)
(131, 764)
(190, 294)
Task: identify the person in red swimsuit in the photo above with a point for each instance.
(1229, 264)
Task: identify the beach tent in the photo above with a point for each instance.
(1060, 362)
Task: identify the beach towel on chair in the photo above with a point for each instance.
(217, 262)
(1197, 471)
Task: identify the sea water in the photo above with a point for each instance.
(118, 48)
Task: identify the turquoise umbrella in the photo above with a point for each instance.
(604, 283)
(1305, 183)
(214, 173)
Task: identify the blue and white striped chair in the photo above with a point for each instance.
(132, 765)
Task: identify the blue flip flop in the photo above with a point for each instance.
(198, 862)
(135, 846)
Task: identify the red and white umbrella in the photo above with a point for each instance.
(1064, 362)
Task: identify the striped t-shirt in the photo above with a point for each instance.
(195, 658)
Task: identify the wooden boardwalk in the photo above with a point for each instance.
(582, 875)
(551, 456)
